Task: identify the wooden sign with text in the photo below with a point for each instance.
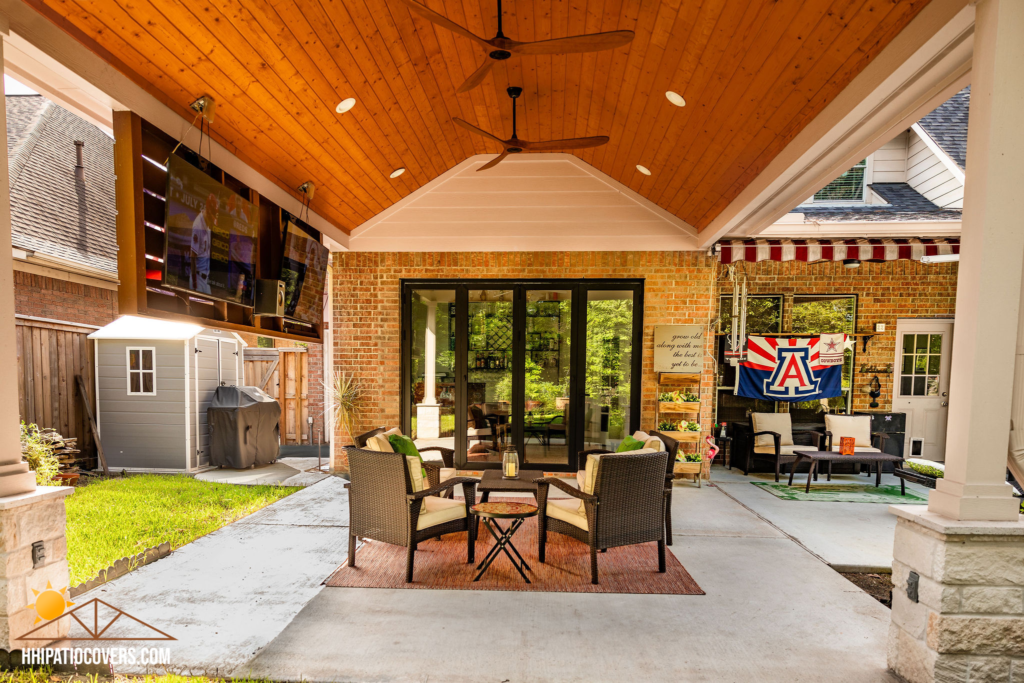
(679, 348)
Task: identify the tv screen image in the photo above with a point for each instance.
(304, 271)
(210, 236)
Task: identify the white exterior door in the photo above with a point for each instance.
(922, 385)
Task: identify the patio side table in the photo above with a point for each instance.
(491, 512)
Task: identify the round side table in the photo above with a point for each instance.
(490, 513)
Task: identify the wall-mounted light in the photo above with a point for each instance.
(307, 189)
(851, 263)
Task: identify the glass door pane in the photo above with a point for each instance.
(609, 363)
(432, 367)
(548, 359)
(489, 376)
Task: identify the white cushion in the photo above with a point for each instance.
(783, 450)
(779, 423)
(379, 443)
(415, 465)
(590, 474)
(483, 431)
(581, 478)
(641, 436)
(447, 473)
(857, 426)
(436, 511)
(568, 511)
(655, 444)
(393, 430)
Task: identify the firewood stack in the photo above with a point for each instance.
(64, 449)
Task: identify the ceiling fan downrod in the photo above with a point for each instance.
(514, 92)
(500, 54)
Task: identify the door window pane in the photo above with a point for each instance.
(546, 409)
(922, 358)
(489, 365)
(432, 368)
(608, 366)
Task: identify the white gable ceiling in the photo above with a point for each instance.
(533, 202)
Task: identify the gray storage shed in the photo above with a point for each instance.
(154, 381)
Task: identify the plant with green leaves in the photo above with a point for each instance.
(666, 426)
(37, 451)
(692, 427)
(926, 469)
(692, 457)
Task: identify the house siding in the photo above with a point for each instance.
(928, 175)
(889, 162)
(142, 431)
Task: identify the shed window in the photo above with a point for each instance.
(141, 371)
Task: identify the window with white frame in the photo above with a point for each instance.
(849, 187)
(141, 371)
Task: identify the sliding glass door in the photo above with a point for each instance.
(546, 367)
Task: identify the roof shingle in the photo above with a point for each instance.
(947, 126)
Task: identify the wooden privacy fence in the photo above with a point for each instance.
(50, 354)
(282, 374)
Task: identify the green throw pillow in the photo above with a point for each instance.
(629, 444)
(405, 446)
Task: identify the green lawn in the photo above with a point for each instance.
(115, 518)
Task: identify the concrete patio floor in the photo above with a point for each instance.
(247, 600)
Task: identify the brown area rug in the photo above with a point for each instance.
(441, 564)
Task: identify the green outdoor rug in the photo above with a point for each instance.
(843, 493)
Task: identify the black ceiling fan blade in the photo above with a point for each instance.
(493, 162)
(478, 76)
(571, 143)
(440, 20)
(479, 131)
(591, 42)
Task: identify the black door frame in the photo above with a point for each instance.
(578, 359)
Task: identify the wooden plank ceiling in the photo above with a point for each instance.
(753, 72)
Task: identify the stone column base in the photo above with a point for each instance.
(957, 600)
(428, 421)
(26, 519)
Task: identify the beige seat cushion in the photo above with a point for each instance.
(581, 478)
(393, 430)
(483, 431)
(379, 443)
(784, 450)
(436, 511)
(419, 482)
(447, 473)
(569, 510)
(590, 473)
(779, 423)
(857, 426)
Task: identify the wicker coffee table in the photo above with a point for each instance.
(493, 481)
(491, 512)
(815, 457)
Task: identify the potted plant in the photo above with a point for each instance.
(347, 395)
(679, 402)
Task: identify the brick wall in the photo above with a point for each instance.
(46, 297)
(367, 302)
(885, 292)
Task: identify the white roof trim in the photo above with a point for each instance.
(946, 160)
(150, 329)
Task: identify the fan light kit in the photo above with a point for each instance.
(500, 48)
(397, 172)
(514, 145)
(675, 98)
(643, 169)
(345, 105)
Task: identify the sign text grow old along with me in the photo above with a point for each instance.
(679, 348)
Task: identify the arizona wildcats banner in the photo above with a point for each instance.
(792, 368)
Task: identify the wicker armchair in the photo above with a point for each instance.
(447, 454)
(783, 440)
(626, 507)
(384, 507)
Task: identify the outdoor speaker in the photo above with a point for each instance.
(269, 298)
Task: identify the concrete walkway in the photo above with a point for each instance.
(773, 612)
(286, 472)
(227, 595)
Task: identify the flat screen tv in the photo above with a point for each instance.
(304, 271)
(210, 236)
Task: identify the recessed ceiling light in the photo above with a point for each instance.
(643, 169)
(345, 105)
(675, 98)
(397, 172)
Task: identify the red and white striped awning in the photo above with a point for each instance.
(835, 250)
